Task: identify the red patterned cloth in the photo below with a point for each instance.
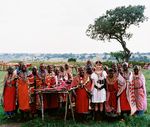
(126, 96)
(140, 91)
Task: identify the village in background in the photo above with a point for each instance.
(32, 57)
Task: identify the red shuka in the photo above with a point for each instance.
(23, 94)
(112, 88)
(124, 103)
(52, 98)
(9, 96)
(82, 98)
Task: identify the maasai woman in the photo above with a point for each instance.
(112, 88)
(23, 92)
(82, 85)
(126, 97)
(139, 90)
(9, 92)
(35, 83)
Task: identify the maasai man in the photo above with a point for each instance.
(9, 93)
(139, 90)
(23, 92)
(99, 91)
(82, 85)
(112, 89)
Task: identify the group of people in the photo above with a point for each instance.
(103, 91)
(115, 91)
(20, 86)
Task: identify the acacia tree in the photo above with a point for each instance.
(114, 25)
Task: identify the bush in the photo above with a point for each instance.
(72, 60)
(108, 63)
(137, 63)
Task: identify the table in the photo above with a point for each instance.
(52, 91)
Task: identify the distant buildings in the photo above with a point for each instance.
(142, 57)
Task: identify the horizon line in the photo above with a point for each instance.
(61, 53)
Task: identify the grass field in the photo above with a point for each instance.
(2, 74)
(143, 121)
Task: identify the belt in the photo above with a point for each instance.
(95, 86)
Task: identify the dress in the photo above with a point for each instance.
(9, 95)
(23, 92)
(140, 94)
(35, 83)
(82, 99)
(126, 96)
(99, 96)
(111, 101)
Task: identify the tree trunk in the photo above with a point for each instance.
(126, 51)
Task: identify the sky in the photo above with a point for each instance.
(58, 26)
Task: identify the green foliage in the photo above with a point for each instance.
(119, 56)
(130, 121)
(2, 74)
(147, 78)
(108, 63)
(137, 121)
(72, 60)
(137, 63)
(114, 25)
(140, 58)
(74, 71)
(148, 103)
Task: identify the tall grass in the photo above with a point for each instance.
(2, 74)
